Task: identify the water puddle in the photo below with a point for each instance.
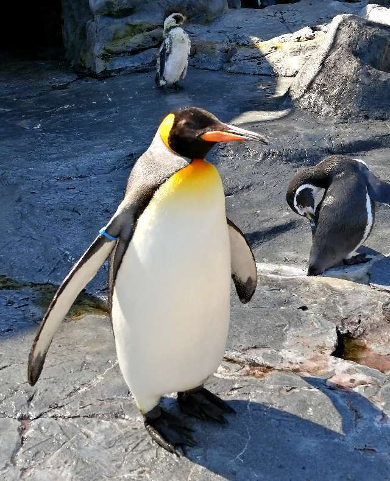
(355, 350)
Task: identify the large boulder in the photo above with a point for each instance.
(349, 76)
(104, 36)
(377, 13)
(196, 10)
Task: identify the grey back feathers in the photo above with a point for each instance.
(151, 170)
(345, 216)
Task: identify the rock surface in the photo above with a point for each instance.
(111, 37)
(67, 148)
(349, 76)
(276, 40)
(377, 13)
(103, 36)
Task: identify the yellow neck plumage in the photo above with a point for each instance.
(165, 129)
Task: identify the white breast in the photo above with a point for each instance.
(177, 60)
(171, 297)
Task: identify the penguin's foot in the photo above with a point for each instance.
(358, 259)
(177, 86)
(167, 430)
(203, 404)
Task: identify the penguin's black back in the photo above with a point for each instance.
(341, 217)
(341, 222)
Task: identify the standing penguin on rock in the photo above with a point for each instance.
(344, 218)
(172, 60)
(173, 252)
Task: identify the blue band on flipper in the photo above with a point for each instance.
(103, 232)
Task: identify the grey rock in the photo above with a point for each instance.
(386, 310)
(79, 422)
(272, 41)
(357, 273)
(297, 332)
(9, 441)
(203, 10)
(379, 2)
(96, 35)
(349, 77)
(384, 396)
(140, 62)
(105, 36)
(378, 274)
(234, 3)
(377, 13)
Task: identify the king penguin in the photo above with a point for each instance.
(173, 252)
(172, 59)
(344, 218)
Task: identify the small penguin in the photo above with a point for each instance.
(344, 218)
(173, 252)
(172, 60)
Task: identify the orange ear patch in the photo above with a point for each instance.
(219, 136)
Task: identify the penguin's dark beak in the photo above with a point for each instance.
(230, 133)
(310, 216)
(312, 221)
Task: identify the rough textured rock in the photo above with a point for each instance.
(103, 36)
(377, 13)
(110, 37)
(276, 40)
(234, 3)
(349, 77)
(305, 320)
(379, 2)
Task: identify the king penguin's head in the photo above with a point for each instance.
(191, 132)
(174, 20)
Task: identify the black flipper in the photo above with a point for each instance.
(378, 190)
(244, 271)
(203, 404)
(82, 272)
(167, 430)
(162, 58)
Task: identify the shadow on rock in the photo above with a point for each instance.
(257, 237)
(380, 270)
(320, 432)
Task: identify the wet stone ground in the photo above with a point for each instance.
(304, 411)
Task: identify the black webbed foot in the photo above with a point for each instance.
(358, 259)
(203, 404)
(167, 430)
(177, 86)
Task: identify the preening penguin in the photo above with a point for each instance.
(344, 218)
(172, 59)
(172, 255)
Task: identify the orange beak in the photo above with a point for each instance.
(218, 136)
(231, 133)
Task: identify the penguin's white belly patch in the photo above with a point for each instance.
(176, 63)
(369, 223)
(171, 299)
(177, 60)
